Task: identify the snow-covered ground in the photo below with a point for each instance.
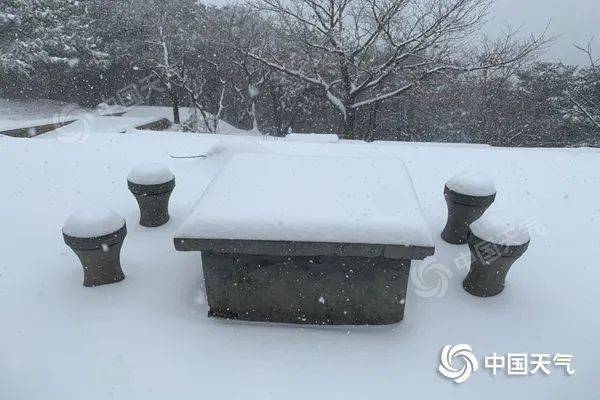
(148, 337)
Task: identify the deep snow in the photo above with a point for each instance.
(307, 199)
(148, 336)
(312, 137)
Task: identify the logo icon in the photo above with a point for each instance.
(431, 278)
(460, 354)
(78, 122)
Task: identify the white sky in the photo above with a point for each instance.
(575, 21)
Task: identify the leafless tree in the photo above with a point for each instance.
(362, 52)
(581, 96)
(163, 67)
(240, 32)
(193, 81)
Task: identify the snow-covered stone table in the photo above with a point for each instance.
(304, 239)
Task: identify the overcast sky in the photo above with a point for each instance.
(576, 21)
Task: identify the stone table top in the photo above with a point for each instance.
(309, 205)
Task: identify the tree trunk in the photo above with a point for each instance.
(252, 113)
(372, 130)
(175, 104)
(348, 123)
(276, 115)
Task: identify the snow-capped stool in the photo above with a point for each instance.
(495, 244)
(468, 195)
(313, 240)
(152, 185)
(96, 236)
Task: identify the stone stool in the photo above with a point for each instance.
(152, 185)
(495, 245)
(468, 195)
(96, 236)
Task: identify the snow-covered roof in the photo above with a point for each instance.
(8, 125)
(312, 137)
(149, 337)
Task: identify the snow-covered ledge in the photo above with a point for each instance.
(307, 239)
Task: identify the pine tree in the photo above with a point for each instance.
(38, 36)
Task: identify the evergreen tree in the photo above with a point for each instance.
(43, 37)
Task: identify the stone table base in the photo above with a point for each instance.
(329, 290)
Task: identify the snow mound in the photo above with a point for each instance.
(312, 137)
(150, 174)
(93, 222)
(108, 110)
(472, 183)
(500, 229)
(233, 146)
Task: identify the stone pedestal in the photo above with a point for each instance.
(490, 263)
(462, 211)
(347, 285)
(153, 201)
(99, 256)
